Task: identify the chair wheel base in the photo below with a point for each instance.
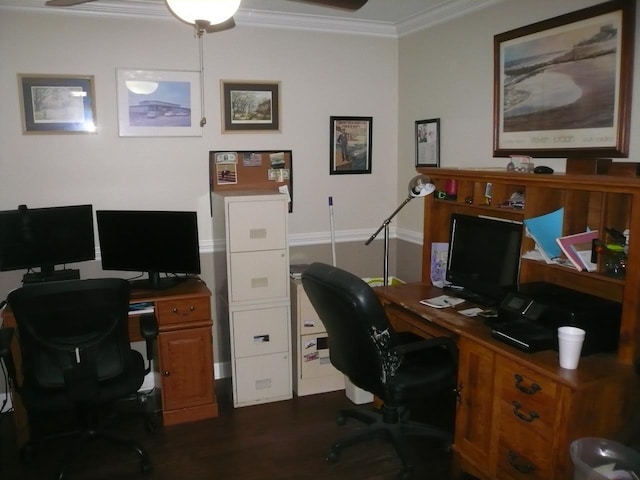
(146, 466)
(333, 455)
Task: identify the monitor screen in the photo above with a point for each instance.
(484, 255)
(149, 241)
(46, 237)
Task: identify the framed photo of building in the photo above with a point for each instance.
(562, 87)
(158, 103)
(57, 104)
(350, 145)
(428, 143)
(250, 106)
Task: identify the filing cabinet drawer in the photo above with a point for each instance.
(314, 357)
(307, 316)
(257, 225)
(262, 378)
(260, 331)
(258, 276)
(169, 312)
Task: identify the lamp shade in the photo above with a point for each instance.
(212, 11)
(421, 186)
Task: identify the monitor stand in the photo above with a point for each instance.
(51, 276)
(155, 282)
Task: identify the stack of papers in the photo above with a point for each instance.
(442, 301)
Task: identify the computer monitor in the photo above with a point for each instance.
(45, 237)
(483, 257)
(150, 241)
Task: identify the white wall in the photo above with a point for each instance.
(446, 72)
(320, 74)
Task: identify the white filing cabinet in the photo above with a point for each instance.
(256, 293)
(312, 369)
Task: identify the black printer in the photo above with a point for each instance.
(529, 318)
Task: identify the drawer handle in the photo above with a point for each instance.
(192, 308)
(532, 390)
(166, 373)
(522, 416)
(524, 468)
(175, 310)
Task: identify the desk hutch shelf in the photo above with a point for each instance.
(593, 201)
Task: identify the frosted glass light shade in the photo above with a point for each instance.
(141, 87)
(212, 11)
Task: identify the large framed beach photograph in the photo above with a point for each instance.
(158, 103)
(57, 104)
(562, 87)
(350, 145)
(250, 106)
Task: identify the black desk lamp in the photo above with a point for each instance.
(419, 186)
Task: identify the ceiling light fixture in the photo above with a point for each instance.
(207, 12)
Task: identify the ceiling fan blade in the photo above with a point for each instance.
(65, 3)
(220, 27)
(344, 4)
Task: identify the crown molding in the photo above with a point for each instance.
(441, 13)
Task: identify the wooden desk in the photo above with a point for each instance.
(517, 413)
(183, 365)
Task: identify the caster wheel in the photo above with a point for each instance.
(333, 456)
(146, 467)
(26, 454)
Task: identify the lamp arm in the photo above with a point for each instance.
(388, 220)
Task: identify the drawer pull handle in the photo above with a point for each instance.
(192, 308)
(532, 390)
(523, 468)
(166, 373)
(522, 416)
(175, 310)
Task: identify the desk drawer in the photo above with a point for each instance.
(256, 226)
(194, 309)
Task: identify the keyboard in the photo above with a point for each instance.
(472, 297)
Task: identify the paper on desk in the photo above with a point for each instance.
(442, 301)
(470, 312)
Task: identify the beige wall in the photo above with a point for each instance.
(446, 72)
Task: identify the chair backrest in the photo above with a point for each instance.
(351, 313)
(73, 334)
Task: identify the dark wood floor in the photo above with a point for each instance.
(280, 440)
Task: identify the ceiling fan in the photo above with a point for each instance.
(351, 5)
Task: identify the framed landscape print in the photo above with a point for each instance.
(57, 104)
(350, 145)
(562, 87)
(250, 106)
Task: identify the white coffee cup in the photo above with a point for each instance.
(570, 340)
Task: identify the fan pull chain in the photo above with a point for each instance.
(203, 120)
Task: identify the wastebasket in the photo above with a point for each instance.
(602, 459)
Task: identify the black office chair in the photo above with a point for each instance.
(397, 367)
(76, 357)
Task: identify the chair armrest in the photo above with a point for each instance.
(149, 331)
(6, 335)
(148, 326)
(426, 344)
